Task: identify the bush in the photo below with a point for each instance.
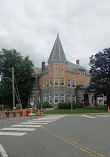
(44, 105)
(67, 105)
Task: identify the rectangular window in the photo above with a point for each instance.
(56, 98)
(45, 98)
(56, 81)
(69, 82)
(62, 98)
(62, 81)
(50, 67)
(82, 83)
(74, 83)
(69, 97)
(62, 67)
(38, 99)
(50, 81)
(43, 83)
(56, 66)
(74, 99)
(50, 99)
(47, 83)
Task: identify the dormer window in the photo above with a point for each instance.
(56, 66)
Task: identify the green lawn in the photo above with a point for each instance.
(77, 111)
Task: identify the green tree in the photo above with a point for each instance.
(9, 59)
(100, 74)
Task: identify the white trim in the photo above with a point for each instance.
(54, 81)
(54, 98)
(70, 82)
(61, 81)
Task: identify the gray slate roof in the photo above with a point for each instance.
(37, 70)
(57, 53)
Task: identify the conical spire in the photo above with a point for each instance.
(57, 53)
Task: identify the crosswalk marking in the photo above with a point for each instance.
(33, 126)
(12, 133)
(36, 120)
(88, 116)
(20, 129)
(29, 125)
(2, 151)
(37, 123)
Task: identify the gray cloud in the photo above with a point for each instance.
(31, 27)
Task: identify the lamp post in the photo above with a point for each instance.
(13, 88)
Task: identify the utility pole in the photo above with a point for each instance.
(13, 87)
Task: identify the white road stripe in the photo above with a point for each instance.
(3, 152)
(88, 116)
(33, 126)
(12, 133)
(20, 129)
(103, 115)
(45, 121)
(33, 123)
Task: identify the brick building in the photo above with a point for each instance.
(60, 80)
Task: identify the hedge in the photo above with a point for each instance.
(67, 105)
(44, 105)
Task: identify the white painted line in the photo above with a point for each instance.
(33, 126)
(20, 129)
(88, 116)
(47, 118)
(45, 121)
(103, 115)
(3, 152)
(33, 123)
(12, 133)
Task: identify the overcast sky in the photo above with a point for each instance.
(31, 27)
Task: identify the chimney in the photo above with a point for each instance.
(77, 61)
(43, 66)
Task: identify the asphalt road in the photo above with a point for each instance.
(68, 136)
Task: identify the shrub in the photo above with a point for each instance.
(44, 105)
(67, 105)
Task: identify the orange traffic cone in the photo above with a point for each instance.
(38, 112)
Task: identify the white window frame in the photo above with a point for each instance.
(82, 82)
(50, 84)
(50, 67)
(63, 81)
(47, 83)
(63, 67)
(56, 66)
(63, 98)
(56, 96)
(56, 79)
(43, 83)
(45, 98)
(74, 98)
(74, 83)
(38, 99)
(69, 97)
(50, 99)
(69, 82)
